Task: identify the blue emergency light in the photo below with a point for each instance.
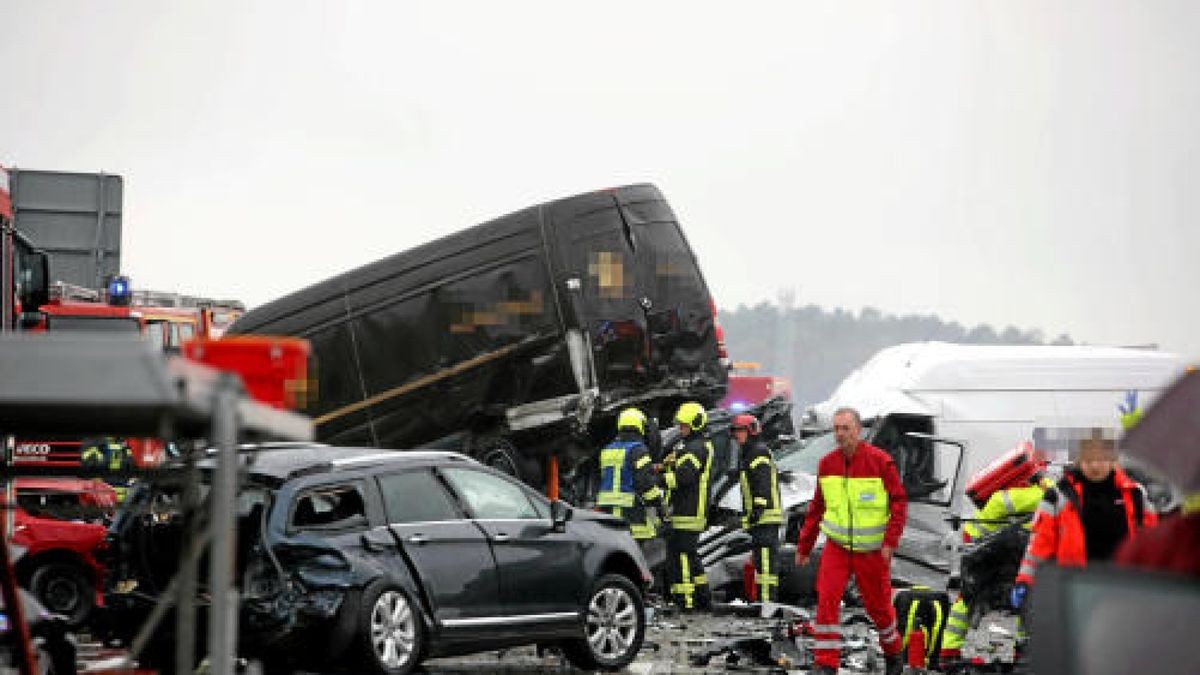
(119, 290)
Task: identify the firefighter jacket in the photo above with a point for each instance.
(1004, 506)
(628, 484)
(1058, 529)
(859, 503)
(105, 453)
(687, 479)
(760, 484)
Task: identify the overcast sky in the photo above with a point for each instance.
(1028, 163)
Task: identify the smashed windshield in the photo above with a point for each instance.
(804, 455)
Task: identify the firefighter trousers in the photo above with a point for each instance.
(685, 572)
(765, 540)
(873, 576)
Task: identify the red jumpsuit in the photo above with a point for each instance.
(870, 570)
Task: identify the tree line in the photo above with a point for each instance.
(816, 348)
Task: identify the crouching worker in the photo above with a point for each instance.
(762, 514)
(1009, 505)
(628, 484)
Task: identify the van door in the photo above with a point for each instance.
(634, 286)
(595, 255)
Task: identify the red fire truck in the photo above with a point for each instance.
(171, 321)
(746, 388)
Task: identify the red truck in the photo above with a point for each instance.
(747, 389)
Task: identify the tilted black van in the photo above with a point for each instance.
(513, 339)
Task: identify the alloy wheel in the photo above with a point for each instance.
(612, 623)
(393, 630)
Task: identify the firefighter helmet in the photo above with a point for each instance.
(748, 422)
(692, 414)
(632, 419)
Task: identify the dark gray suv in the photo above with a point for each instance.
(373, 560)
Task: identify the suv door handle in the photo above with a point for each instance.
(500, 537)
(418, 539)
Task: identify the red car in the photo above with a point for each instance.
(59, 523)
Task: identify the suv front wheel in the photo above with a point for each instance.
(614, 625)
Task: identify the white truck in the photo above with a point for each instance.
(987, 399)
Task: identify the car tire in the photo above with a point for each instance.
(614, 625)
(390, 634)
(64, 589)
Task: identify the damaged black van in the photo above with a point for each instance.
(515, 339)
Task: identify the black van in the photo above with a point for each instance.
(514, 339)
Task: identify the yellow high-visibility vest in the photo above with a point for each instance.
(856, 511)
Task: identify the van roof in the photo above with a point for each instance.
(889, 378)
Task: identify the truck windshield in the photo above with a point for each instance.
(107, 324)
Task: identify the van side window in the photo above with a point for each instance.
(330, 507)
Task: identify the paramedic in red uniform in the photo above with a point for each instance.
(1086, 516)
(860, 505)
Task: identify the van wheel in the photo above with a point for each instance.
(64, 589)
(501, 454)
(614, 625)
(390, 632)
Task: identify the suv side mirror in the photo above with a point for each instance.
(560, 513)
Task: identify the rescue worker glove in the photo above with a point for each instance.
(756, 514)
(1018, 595)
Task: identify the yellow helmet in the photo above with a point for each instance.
(692, 414)
(632, 418)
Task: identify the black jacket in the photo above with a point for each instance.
(688, 480)
(759, 480)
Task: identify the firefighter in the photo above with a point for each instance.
(108, 454)
(760, 503)
(860, 505)
(1085, 516)
(1015, 504)
(628, 485)
(687, 477)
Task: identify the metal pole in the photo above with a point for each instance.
(98, 250)
(222, 618)
(8, 267)
(185, 612)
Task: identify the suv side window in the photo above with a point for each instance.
(332, 507)
(491, 497)
(416, 497)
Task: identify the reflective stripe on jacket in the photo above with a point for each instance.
(1058, 534)
(616, 473)
(628, 484)
(688, 482)
(760, 485)
(859, 503)
(1002, 506)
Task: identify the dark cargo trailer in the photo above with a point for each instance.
(514, 339)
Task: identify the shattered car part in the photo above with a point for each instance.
(994, 640)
